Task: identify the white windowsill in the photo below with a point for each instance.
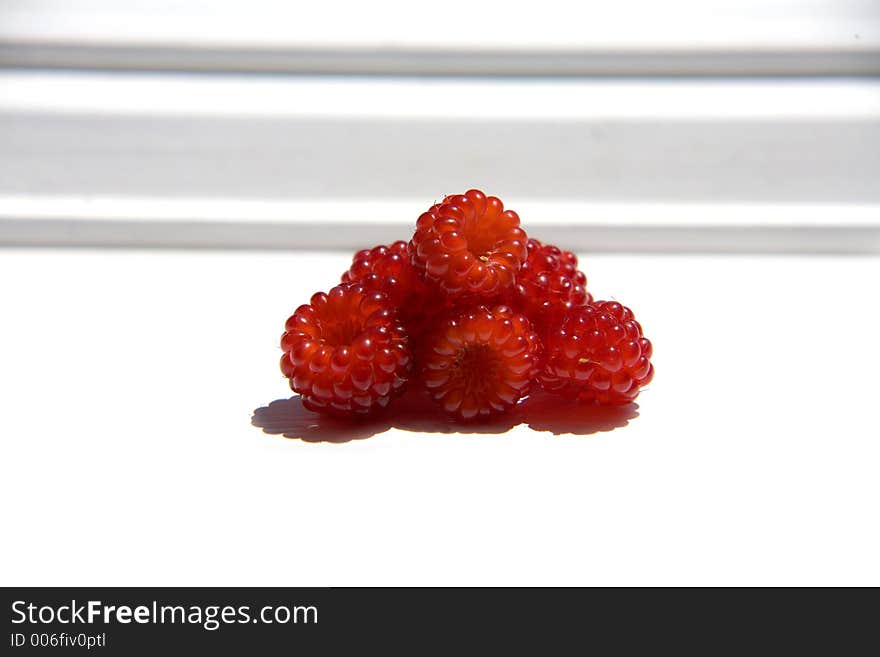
(627, 37)
(130, 379)
(230, 161)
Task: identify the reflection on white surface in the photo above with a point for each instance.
(414, 412)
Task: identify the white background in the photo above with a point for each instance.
(128, 455)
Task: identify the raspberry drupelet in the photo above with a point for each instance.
(480, 362)
(346, 352)
(549, 286)
(469, 245)
(388, 269)
(547, 257)
(598, 355)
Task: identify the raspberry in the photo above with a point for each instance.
(599, 354)
(346, 352)
(387, 269)
(549, 285)
(469, 244)
(481, 362)
(549, 258)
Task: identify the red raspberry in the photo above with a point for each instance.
(346, 352)
(599, 354)
(549, 258)
(481, 362)
(549, 285)
(387, 269)
(469, 244)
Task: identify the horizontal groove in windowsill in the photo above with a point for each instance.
(600, 227)
(404, 61)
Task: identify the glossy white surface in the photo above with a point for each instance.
(127, 454)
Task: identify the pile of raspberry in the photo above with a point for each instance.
(472, 311)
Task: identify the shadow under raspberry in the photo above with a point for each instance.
(415, 412)
(553, 414)
(289, 418)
